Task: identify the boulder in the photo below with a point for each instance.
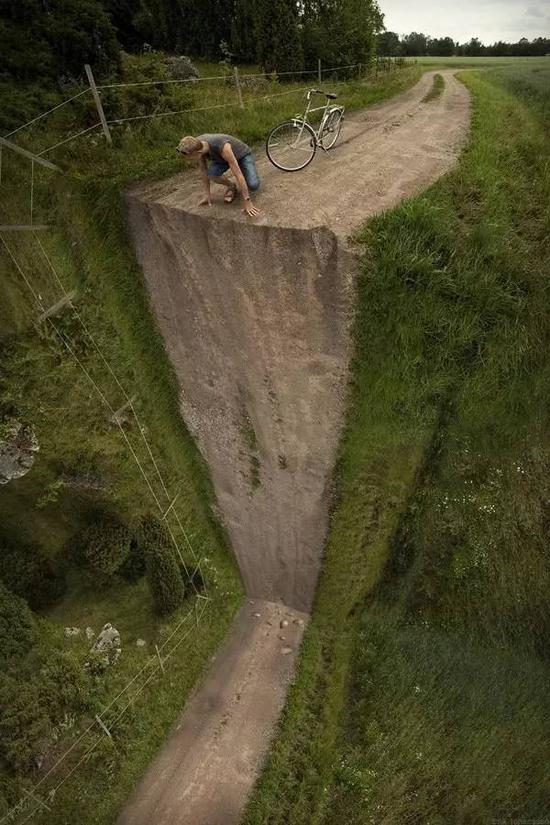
(18, 446)
(107, 646)
(181, 68)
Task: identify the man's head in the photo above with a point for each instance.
(190, 147)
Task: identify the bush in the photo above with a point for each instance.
(134, 567)
(64, 685)
(163, 573)
(27, 572)
(17, 628)
(105, 544)
(24, 722)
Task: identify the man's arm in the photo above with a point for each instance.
(206, 182)
(229, 156)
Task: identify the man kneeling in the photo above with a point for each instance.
(224, 152)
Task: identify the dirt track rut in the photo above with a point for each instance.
(256, 319)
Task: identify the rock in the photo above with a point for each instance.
(286, 650)
(181, 68)
(18, 445)
(257, 615)
(107, 646)
(283, 623)
(71, 631)
(90, 633)
(140, 642)
(281, 637)
(299, 622)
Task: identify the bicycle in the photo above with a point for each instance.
(291, 145)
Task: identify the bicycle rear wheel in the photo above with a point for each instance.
(290, 146)
(331, 130)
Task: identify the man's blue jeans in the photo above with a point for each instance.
(248, 168)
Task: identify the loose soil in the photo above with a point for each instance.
(256, 318)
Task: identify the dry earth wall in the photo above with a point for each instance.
(256, 322)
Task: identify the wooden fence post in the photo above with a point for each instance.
(238, 86)
(97, 99)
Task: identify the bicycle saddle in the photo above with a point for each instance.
(330, 95)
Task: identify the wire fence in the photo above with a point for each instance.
(159, 661)
(234, 77)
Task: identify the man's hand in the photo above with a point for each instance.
(205, 201)
(250, 209)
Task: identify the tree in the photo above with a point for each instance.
(279, 44)
(441, 46)
(415, 44)
(39, 39)
(244, 30)
(340, 32)
(474, 48)
(163, 573)
(388, 44)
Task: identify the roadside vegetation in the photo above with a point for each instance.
(422, 692)
(79, 541)
(437, 89)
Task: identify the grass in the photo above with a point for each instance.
(42, 384)
(482, 62)
(422, 691)
(436, 90)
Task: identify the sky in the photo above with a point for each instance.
(490, 20)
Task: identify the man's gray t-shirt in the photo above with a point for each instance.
(217, 142)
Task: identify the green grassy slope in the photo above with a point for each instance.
(41, 383)
(422, 693)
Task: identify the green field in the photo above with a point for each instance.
(481, 62)
(422, 694)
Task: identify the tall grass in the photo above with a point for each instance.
(422, 693)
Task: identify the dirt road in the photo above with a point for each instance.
(207, 765)
(256, 318)
(386, 153)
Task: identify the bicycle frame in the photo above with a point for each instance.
(302, 120)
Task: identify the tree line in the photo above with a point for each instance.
(417, 44)
(44, 39)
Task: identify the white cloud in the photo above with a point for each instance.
(490, 20)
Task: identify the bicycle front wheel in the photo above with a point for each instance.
(291, 146)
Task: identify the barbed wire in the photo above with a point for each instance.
(168, 81)
(66, 140)
(127, 399)
(158, 667)
(49, 111)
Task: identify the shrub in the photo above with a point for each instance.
(27, 572)
(17, 628)
(105, 544)
(163, 573)
(64, 685)
(24, 722)
(134, 567)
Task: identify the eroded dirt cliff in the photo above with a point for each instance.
(256, 322)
